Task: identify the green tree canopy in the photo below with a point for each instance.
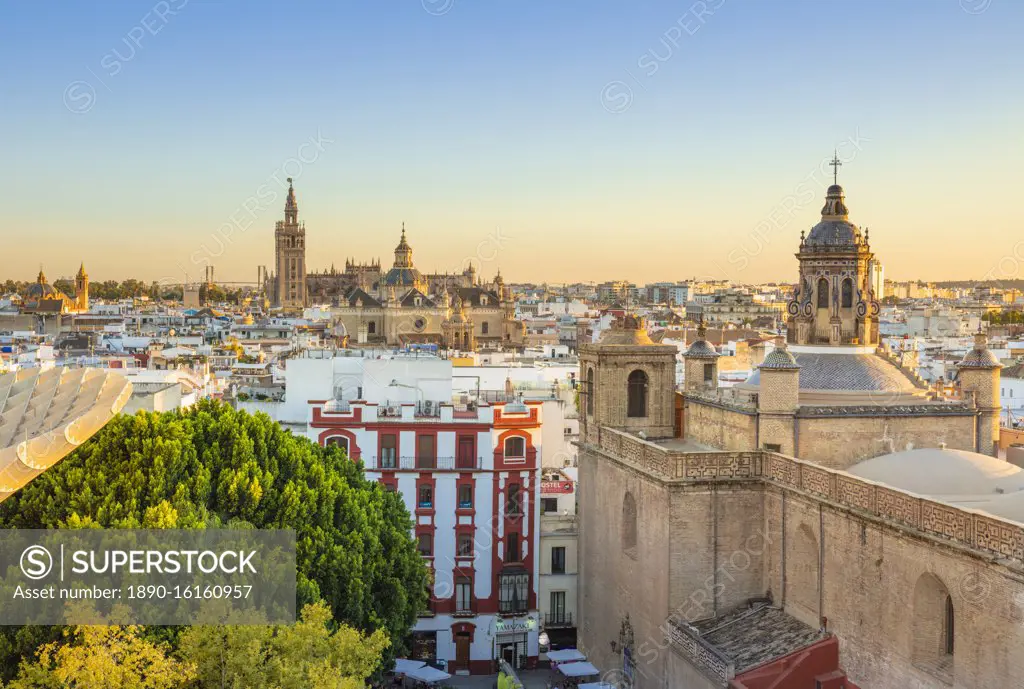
(211, 466)
(306, 655)
(96, 657)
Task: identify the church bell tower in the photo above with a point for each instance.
(82, 289)
(835, 302)
(290, 255)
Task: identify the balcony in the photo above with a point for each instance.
(464, 609)
(429, 463)
(558, 618)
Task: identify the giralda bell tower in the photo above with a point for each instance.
(290, 255)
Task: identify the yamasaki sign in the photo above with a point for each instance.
(162, 577)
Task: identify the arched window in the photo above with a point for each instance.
(589, 392)
(629, 525)
(822, 293)
(371, 327)
(485, 327)
(933, 627)
(338, 441)
(949, 626)
(636, 406)
(847, 293)
(515, 447)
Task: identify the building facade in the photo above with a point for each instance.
(559, 561)
(470, 476)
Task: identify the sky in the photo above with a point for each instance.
(577, 140)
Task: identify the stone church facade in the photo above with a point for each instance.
(727, 540)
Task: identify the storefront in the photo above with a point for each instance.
(512, 640)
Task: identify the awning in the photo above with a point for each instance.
(428, 674)
(404, 666)
(566, 655)
(578, 670)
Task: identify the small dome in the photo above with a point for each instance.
(942, 472)
(701, 349)
(403, 277)
(781, 360)
(980, 356)
(833, 233)
(980, 359)
(835, 228)
(628, 330)
(41, 290)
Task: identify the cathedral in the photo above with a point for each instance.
(831, 523)
(398, 306)
(42, 298)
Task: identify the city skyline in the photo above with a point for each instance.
(643, 143)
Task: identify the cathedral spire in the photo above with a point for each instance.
(291, 208)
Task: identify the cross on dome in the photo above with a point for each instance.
(836, 164)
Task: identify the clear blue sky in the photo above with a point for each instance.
(486, 127)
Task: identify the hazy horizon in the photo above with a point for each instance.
(560, 142)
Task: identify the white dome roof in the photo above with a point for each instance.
(1006, 506)
(950, 474)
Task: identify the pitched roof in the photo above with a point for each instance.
(357, 297)
(471, 296)
(409, 300)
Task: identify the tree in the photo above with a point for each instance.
(212, 465)
(100, 657)
(307, 654)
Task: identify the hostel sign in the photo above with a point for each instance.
(556, 487)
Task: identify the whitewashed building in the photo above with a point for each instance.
(469, 473)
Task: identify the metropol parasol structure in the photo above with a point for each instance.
(47, 413)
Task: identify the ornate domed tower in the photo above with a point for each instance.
(403, 252)
(403, 275)
(834, 302)
(700, 371)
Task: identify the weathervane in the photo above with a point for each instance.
(836, 164)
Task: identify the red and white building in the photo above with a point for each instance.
(470, 476)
